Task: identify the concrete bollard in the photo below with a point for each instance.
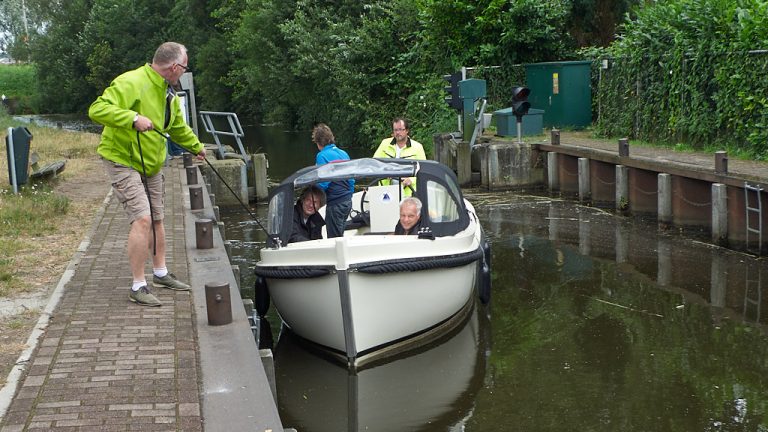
(192, 175)
(204, 233)
(624, 147)
(585, 187)
(665, 200)
(719, 213)
(218, 303)
(187, 158)
(721, 162)
(222, 230)
(196, 198)
(553, 178)
(622, 188)
(260, 178)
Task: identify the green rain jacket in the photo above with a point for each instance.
(412, 150)
(141, 91)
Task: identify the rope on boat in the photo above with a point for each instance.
(292, 272)
(378, 267)
(419, 264)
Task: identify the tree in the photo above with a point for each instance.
(21, 21)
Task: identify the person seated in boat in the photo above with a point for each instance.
(307, 222)
(410, 217)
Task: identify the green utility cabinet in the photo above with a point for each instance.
(562, 90)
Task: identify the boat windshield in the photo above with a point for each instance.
(357, 168)
(441, 205)
(275, 214)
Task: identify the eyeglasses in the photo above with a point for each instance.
(186, 68)
(399, 129)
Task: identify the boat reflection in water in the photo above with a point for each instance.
(436, 386)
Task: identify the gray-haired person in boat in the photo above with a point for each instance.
(307, 222)
(338, 193)
(410, 217)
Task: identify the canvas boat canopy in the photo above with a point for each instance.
(443, 208)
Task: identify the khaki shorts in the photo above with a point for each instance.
(129, 190)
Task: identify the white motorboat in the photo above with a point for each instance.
(371, 293)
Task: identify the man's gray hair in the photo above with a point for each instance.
(169, 53)
(412, 201)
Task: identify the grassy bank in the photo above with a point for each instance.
(32, 221)
(41, 227)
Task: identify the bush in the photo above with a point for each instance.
(690, 71)
(19, 86)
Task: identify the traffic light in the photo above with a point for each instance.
(520, 104)
(452, 99)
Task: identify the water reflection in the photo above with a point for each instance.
(569, 238)
(597, 322)
(434, 387)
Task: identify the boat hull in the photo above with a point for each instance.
(350, 295)
(384, 307)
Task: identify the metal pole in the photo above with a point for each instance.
(519, 130)
(12, 161)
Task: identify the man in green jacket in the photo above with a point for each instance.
(403, 147)
(133, 109)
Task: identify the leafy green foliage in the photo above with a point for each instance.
(690, 70)
(18, 84)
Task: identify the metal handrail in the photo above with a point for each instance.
(235, 131)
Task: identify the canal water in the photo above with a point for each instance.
(597, 323)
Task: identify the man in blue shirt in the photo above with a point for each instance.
(338, 194)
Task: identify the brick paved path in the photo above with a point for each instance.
(105, 364)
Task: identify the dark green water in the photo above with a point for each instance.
(597, 323)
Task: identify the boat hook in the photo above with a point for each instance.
(253, 216)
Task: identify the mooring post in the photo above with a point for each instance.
(584, 180)
(624, 147)
(721, 162)
(464, 163)
(195, 198)
(204, 233)
(665, 200)
(218, 303)
(260, 179)
(719, 213)
(554, 135)
(622, 188)
(553, 178)
(192, 175)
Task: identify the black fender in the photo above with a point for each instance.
(261, 296)
(484, 288)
